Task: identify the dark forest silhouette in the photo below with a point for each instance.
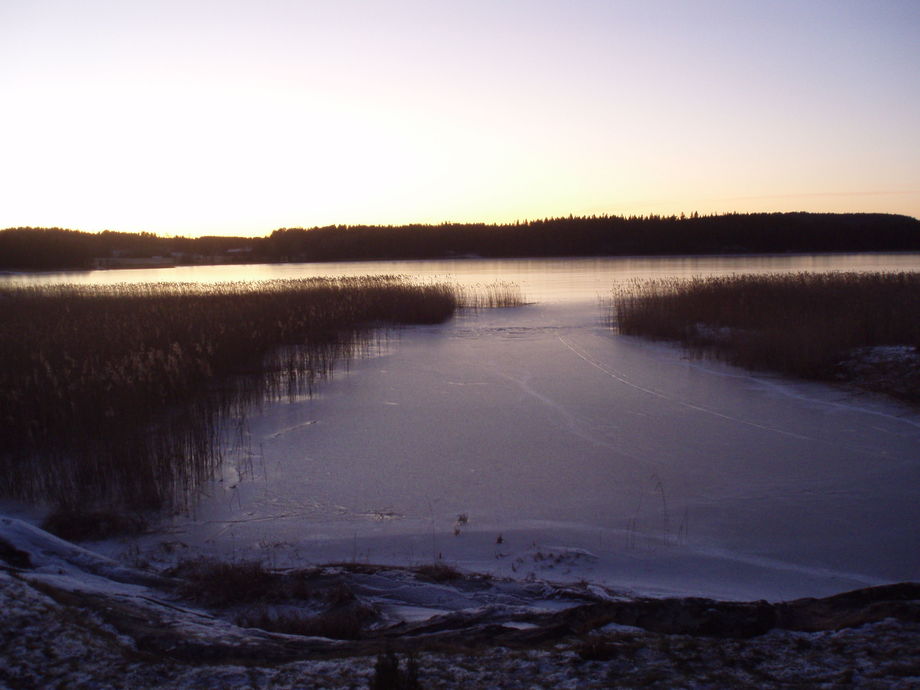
(735, 233)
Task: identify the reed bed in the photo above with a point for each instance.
(494, 295)
(117, 396)
(863, 328)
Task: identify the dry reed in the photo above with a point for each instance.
(494, 295)
(805, 324)
(116, 396)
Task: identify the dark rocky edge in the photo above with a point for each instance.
(337, 593)
(72, 618)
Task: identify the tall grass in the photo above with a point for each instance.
(497, 294)
(116, 396)
(805, 324)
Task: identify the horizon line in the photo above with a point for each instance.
(519, 221)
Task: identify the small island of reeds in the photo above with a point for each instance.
(857, 328)
(116, 396)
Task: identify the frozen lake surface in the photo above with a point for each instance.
(535, 441)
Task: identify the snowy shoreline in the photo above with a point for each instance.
(74, 617)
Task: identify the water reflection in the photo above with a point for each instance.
(541, 280)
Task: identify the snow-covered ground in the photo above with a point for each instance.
(72, 618)
(533, 441)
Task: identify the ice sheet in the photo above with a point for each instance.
(573, 453)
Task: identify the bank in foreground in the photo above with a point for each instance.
(71, 617)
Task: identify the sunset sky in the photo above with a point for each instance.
(229, 117)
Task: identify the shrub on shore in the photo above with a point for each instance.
(117, 395)
(810, 325)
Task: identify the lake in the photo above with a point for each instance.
(542, 280)
(534, 442)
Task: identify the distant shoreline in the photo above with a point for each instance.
(46, 249)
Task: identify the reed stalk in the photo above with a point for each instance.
(824, 326)
(117, 396)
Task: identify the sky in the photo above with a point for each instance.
(209, 117)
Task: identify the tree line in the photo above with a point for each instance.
(734, 233)
(44, 249)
